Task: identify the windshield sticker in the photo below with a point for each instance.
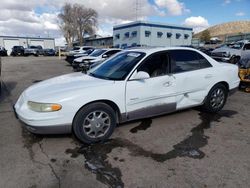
(134, 54)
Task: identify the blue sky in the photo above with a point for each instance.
(215, 11)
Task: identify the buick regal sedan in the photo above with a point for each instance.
(131, 85)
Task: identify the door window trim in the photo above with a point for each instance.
(145, 59)
(170, 67)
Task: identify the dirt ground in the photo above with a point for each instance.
(184, 149)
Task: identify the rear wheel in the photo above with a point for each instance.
(94, 122)
(216, 98)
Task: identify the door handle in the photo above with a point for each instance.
(208, 76)
(167, 84)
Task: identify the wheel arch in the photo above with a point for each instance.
(221, 82)
(112, 104)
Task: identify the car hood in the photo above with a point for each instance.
(63, 85)
(225, 49)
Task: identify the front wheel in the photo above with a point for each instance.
(94, 122)
(216, 98)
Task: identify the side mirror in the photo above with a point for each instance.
(104, 56)
(141, 75)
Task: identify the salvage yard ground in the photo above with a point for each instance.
(183, 149)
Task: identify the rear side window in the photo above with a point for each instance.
(187, 60)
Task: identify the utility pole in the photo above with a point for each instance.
(137, 10)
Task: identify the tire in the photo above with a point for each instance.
(90, 126)
(234, 59)
(215, 99)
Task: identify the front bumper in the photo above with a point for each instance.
(41, 123)
(43, 129)
(218, 58)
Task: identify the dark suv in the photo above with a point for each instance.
(3, 51)
(17, 50)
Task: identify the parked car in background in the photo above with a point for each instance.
(233, 52)
(63, 50)
(207, 51)
(17, 51)
(244, 72)
(49, 52)
(99, 55)
(133, 84)
(71, 57)
(34, 50)
(80, 49)
(3, 51)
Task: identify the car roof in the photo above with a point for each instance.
(150, 50)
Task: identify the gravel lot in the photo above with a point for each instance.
(183, 149)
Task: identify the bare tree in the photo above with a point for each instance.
(85, 21)
(66, 18)
(76, 21)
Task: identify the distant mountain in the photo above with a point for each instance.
(229, 28)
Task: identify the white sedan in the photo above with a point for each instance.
(133, 84)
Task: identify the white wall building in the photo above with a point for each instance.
(9, 41)
(143, 33)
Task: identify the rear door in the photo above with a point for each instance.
(193, 74)
(152, 96)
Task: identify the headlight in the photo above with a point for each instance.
(44, 107)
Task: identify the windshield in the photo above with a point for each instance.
(117, 67)
(237, 45)
(96, 53)
(33, 47)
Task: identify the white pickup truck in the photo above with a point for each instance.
(232, 54)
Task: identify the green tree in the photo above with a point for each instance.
(205, 36)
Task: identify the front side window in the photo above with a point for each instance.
(155, 65)
(187, 60)
(117, 67)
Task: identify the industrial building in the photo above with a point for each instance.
(98, 41)
(9, 41)
(237, 37)
(143, 33)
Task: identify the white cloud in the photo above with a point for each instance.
(240, 14)
(39, 18)
(226, 2)
(60, 41)
(198, 23)
(174, 7)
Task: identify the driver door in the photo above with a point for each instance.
(154, 95)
